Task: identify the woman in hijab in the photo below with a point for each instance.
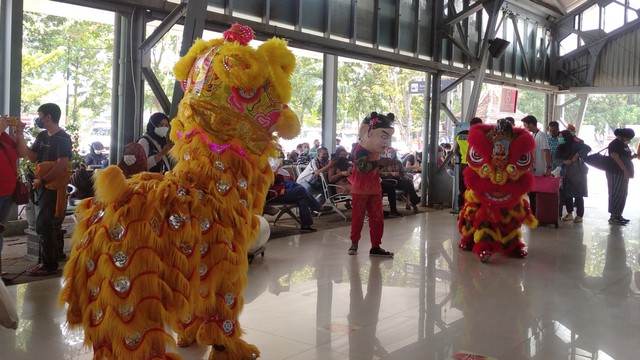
(133, 160)
(155, 143)
(96, 155)
(570, 154)
(619, 174)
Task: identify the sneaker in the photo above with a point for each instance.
(616, 221)
(378, 251)
(353, 249)
(578, 219)
(568, 217)
(623, 219)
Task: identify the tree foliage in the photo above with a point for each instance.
(61, 52)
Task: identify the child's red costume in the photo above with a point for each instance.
(497, 179)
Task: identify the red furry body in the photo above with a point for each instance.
(497, 178)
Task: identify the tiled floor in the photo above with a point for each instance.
(576, 296)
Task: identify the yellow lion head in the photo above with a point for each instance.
(234, 91)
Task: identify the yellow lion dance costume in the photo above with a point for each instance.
(171, 250)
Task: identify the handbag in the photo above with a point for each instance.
(21, 193)
(600, 161)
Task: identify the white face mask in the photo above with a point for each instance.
(98, 152)
(129, 159)
(161, 131)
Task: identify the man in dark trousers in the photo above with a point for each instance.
(51, 145)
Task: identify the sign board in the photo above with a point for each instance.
(509, 100)
(418, 87)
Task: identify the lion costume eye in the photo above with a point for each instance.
(474, 156)
(524, 160)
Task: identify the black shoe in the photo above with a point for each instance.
(353, 249)
(623, 219)
(307, 229)
(395, 214)
(378, 251)
(62, 257)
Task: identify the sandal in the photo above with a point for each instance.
(39, 270)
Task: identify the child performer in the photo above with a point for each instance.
(375, 136)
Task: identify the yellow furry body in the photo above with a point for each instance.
(171, 250)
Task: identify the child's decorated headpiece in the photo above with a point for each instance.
(378, 121)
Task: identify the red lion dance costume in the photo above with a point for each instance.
(497, 179)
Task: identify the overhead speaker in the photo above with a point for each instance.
(497, 47)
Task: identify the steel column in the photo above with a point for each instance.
(329, 101)
(11, 61)
(193, 28)
(483, 57)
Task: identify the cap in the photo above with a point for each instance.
(571, 127)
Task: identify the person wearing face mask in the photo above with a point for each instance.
(339, 174)
(51, 150)
(394, 170)
(310, 177)
(133, 160)
(570, 154)
(96, 155)
(155, 143)
(619, 174)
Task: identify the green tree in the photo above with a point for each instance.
(71, 53)
(532, 102)
(163, 69)
(306, 82)
(612, 111)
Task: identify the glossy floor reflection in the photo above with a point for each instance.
(574, 297)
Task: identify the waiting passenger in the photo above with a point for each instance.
(395, 171)
(96, 155)
(155, 143)
(310, 177)
(134, 160)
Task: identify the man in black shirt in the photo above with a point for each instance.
(53, 145)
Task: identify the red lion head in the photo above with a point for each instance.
(499, 158)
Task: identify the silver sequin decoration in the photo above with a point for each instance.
(205, 225)
(120, 259)
(187, 319)
(219, 165)
(230, 244)
(186, 248)
(122, 284)
(204, 248)
(229, 298)
(244, 202)
(223, 186)
(97, 216)
(133, 340)
(243, 183)
(155, 225)
(203, 269)
(116, 232)
(90, 265)
(97, 316)
(200, 194)
(186, 156)
(125, 310)
(181, 191)
(175, 221)
(227, 326)
(95, 291)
